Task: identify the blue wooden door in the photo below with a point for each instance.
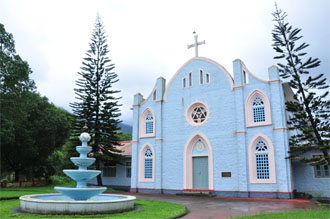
(200, 173)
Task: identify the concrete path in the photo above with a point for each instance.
(209, 208)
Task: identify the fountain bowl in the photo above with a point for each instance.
(80, 193)
(55, 203)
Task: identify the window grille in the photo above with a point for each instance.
(258, 110)
(199, 114)
(262, 161)
(321, 171)
(149, 124)
(148, 164)
(110, 171)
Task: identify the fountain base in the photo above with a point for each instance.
(80, 194)
(54, 203)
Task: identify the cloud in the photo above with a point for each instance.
(148, 39)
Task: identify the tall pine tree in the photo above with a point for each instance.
(310, 109)
(97, 105)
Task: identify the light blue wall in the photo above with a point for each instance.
(226, 117)
(304, 180)
(120, 180)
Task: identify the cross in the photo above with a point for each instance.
(196, 44)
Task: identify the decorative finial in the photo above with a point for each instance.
(84, 136)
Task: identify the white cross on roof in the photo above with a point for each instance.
(196, 44)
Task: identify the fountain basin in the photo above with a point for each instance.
(55, 203)
(83, 149)
(80, 193)
(82, 175)
(82, 162)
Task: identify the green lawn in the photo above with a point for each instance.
(148, 209)
(308, 214)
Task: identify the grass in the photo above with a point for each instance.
(302, 214)
(149, 209)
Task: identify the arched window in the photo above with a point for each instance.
(147, 124)
(146, 164)
(261, 160)
(257, 110)
(258, 107)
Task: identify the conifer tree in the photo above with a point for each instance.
(97, 105)
(310, 109)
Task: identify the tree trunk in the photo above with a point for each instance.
(16, 175)
(99, 178)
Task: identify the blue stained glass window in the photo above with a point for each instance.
(149, 124)
(148, 164)
(262, 166)
(261, 146)
(258, 110)
(262, 162)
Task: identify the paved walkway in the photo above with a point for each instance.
(209, 208)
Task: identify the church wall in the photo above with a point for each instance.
(118, 182)
(154, 186)
(219, 128)
(225, 129)
(277, 134)
(305, 181)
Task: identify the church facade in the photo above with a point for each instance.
(208, 131)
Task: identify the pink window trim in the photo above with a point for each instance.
(249, 112)
(252, 160)
(141, 163)
(142, 124)
(187, 160)
(189, 110)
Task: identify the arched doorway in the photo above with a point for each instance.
(198, 163)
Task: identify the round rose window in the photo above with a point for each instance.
(197, 114)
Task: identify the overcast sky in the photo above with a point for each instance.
(148, 39)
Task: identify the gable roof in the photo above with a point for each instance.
(125, 147)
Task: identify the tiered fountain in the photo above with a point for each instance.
(81, 199)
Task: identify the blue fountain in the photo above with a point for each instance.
(81, 199)
(82, 175)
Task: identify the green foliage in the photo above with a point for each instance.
(62, 180)
(122, 136)
(310, 111)
(69, 150)
(97, 105)
(31, 127)
(14, 72)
